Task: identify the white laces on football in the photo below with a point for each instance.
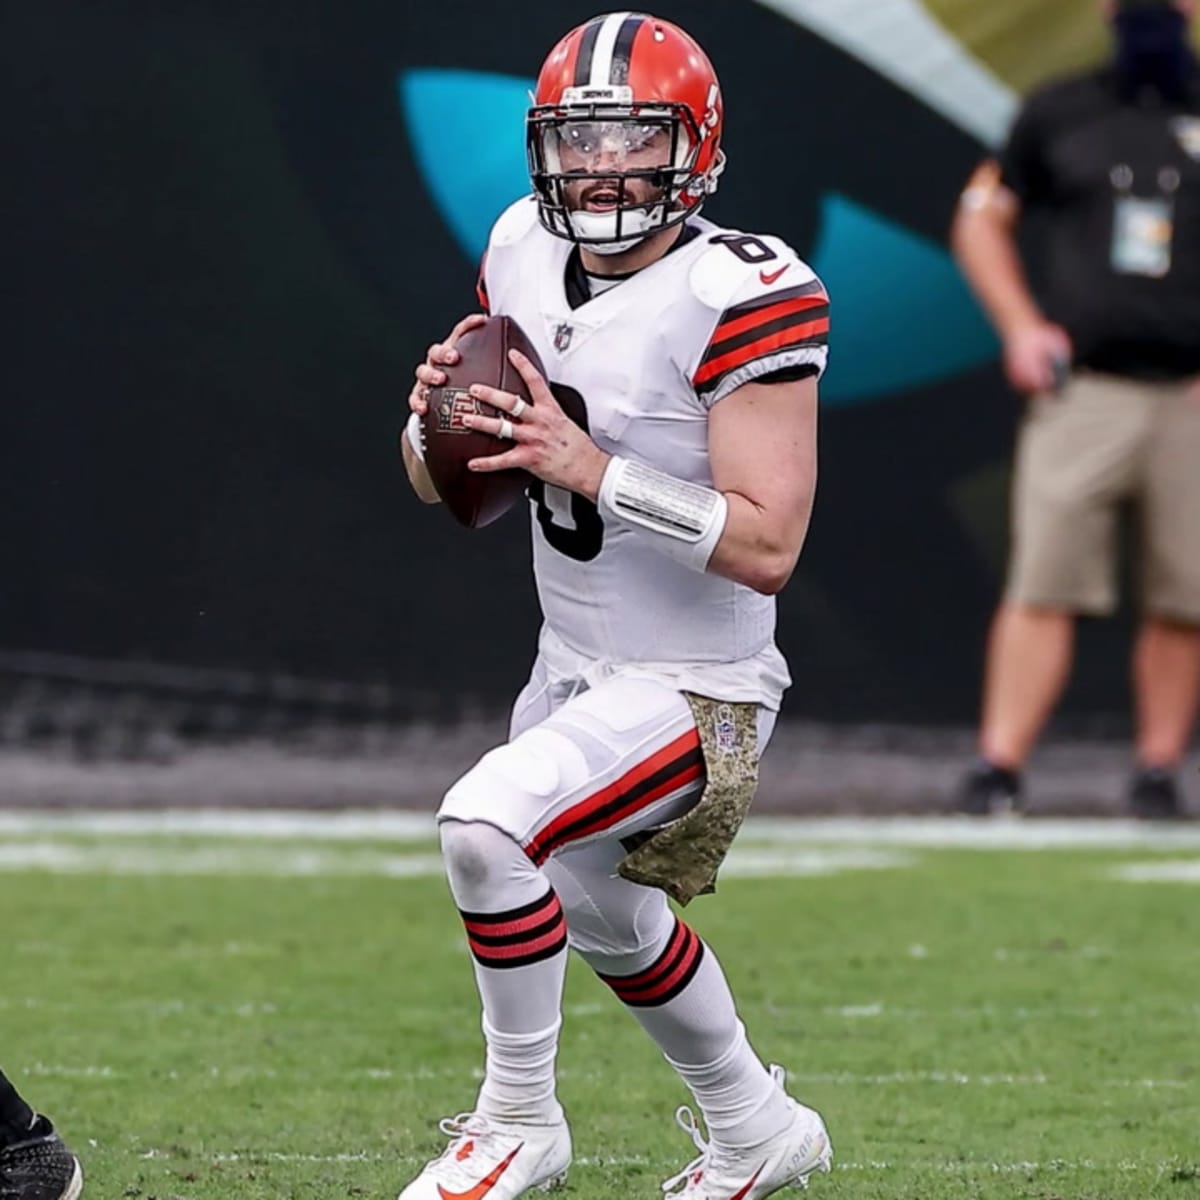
(686, 1120)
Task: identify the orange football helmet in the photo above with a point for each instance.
(623, 97)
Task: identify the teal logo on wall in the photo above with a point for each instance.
(903, 316)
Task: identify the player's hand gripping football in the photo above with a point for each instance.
(440, 354)
(545, 441)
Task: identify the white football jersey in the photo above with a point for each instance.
(640, 366)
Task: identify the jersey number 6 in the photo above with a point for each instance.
(746, 247)
(571, 523)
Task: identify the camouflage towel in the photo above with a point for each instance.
(683, 857)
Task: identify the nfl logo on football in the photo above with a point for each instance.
(456, 404)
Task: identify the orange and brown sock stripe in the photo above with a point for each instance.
(520, 937)
(667, 976)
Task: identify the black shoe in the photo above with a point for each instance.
(40, 1167)
(1154, 795)
(988, 789)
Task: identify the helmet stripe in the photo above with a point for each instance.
(602, 57)
(587, 45)
(619, 73)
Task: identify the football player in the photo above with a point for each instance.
(674, 466)
(34, 1163)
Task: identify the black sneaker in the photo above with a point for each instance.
(988, 789)
(40, 1167)
(1154, 795)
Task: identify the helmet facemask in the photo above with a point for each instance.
(607, 176)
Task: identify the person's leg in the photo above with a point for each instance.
(34, 1163)
(674, 986)
(1166, 660)
(16, 1117)
(606, 763)
(1076, 457)
(1166, 672)
(516, 1138)
(518, 942)
(1028, 662)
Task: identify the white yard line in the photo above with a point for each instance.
(963, 1079)
(343, 825)
(952, 1078)
(927, 833)
(749, 861)
(965, 833)
(244, 858)
(65, 858)
(1053, 1165)
(60, 1070)
(1178, 871)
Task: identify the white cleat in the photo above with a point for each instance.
(784, 1161)
(500, 1161)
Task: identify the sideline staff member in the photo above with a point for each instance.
(1108, 164)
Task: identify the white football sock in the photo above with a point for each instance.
(518, 1084)
(683, 1001)
(518, 940)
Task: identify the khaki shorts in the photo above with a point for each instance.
(1082, 454)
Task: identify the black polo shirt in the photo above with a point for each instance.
(1076, 145)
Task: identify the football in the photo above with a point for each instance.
(476, 499)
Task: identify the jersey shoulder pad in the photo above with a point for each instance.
(770, 313)
(734, 267)
(514, 223)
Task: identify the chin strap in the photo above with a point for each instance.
(590, 226)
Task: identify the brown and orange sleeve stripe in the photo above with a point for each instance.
(760, 328)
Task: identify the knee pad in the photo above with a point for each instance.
(468, 849)
(515, 785)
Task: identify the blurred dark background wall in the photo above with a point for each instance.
(223, 252)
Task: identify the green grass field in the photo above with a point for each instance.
(215, 1017)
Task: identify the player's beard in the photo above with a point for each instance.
(629, 193)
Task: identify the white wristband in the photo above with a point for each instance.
(416, 436)
(682, 520)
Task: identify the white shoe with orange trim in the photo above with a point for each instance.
(486, 1158)
(749, 1174)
